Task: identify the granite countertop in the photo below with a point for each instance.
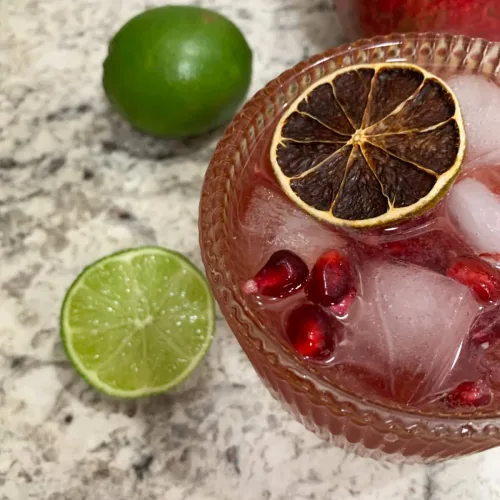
(77, 183)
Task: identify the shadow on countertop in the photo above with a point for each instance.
(115, 134)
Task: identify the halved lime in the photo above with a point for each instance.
(137, 322)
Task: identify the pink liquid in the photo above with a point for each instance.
(434, 238)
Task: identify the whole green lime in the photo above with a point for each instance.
(177, 71)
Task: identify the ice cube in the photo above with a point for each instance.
(476, 212)
(489, 160)
(272, 222)
(408, 328)
(479, 100)
(490, 176)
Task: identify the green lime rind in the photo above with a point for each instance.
(177, 70)
(137, 322)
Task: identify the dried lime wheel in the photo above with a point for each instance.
(370, 145)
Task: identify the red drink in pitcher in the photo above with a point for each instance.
(367, 18)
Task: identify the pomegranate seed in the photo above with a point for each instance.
(342, 308)
(494, 257)
(472, 394)
(331, 279)
(486, 327)
(491, 258)
(479, 276)
(311, 331)
(283, 274)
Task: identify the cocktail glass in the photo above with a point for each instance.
(391, 431)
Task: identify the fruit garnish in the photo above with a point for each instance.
(177, 70)
(282, 275)
(331, 279)
(480, 277)
(342, 307)
(137, 322)
(370, 145)
(469, 394)
(492, 257)
(312, 331)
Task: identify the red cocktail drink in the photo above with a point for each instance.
(389, 342)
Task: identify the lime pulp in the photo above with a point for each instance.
(137, 322)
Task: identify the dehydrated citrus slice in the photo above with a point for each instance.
(370, 145)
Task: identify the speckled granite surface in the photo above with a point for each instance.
(77, 183)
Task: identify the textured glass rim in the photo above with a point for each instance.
(453, 52)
